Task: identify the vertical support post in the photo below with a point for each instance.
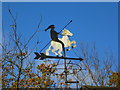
(77, 85)
(76, 81)
(65, 68)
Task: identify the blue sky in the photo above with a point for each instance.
(92, 21)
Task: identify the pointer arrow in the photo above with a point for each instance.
(43, 56)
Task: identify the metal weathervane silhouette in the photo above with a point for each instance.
(59, 45)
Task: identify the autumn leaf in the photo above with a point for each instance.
(61, 83)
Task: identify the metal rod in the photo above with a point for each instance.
(66, 25)
(72, 82)
(43, 56)
(69, 69)
(64, 58)
(45, 46)
(77, 85)
(65, 67)
(65, 71)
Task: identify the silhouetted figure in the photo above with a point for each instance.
(54, 36)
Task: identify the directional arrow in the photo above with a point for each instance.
(43, 56)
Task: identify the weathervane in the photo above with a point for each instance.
(59, 44)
